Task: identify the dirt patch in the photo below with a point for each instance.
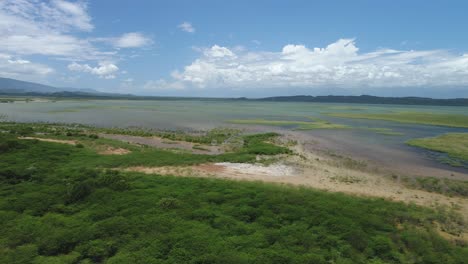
(258, 169)
(166, 144)
(69, 142)
(114, 151)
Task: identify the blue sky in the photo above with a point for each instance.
(239, 48)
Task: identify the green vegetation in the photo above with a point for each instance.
(214, 136)
(55, 210)
(443, 186)
(450, 120)
(63, 204)
(454, 144)
(268, 122)
(251, 146)
(384, 131)
(300, 125)
(347, 108)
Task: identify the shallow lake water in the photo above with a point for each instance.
(359, 142)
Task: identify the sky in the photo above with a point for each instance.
(239, 48)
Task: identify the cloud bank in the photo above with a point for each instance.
(338, 65)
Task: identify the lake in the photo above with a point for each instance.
(361, 140)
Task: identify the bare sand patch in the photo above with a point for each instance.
(69, 142)
(114, 151)
(258, 169)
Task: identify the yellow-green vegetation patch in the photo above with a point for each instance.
(384, 131)
(267, 122)
(300, 125)
(350, 108)
(444, 186)
(321, 125)
(454, 144)
(70, 110)
(450, 120)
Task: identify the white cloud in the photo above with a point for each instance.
(104, 70)
(57, 29)
(132, 40)
(187, 27)
(34, 27)
(339, 65)
(161, 84)
(16, 67)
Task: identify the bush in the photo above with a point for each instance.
(78, 192)
(168, 203)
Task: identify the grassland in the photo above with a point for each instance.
(454, 144)
(450, 120)
(63, 203)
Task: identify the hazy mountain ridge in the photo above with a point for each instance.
(22, 88)
(13, 86)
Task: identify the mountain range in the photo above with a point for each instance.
(16, 87)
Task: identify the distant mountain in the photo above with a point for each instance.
(17, 87)
(12, 86)
(367, 99)
(8, 85)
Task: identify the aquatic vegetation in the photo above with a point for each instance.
(347, 108)
(454, 144)
(55, 209)
(268, 122)
(384, 131)
(299, 125)
(450, 120)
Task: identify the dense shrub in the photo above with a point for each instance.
(54, 209)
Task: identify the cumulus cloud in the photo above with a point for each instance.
(340, 65)
(103, 70)
(56, 29)
(161, 84)
(13, 67)
(187, 27)
(132, 40)
(33, 27)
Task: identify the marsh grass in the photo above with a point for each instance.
(341, 161)
(347, 179)
(315, 123)
(444, 186)
(454, 144)
(384, 131)
(450, 120)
